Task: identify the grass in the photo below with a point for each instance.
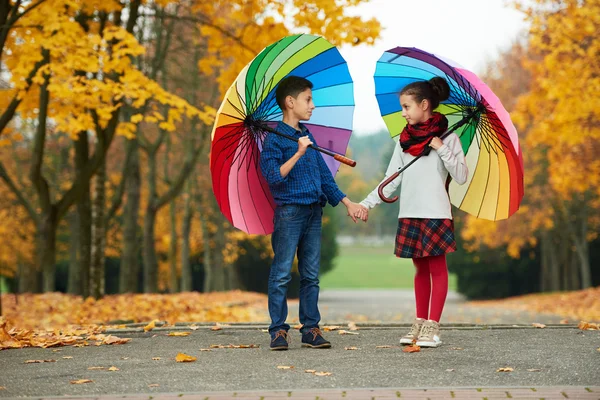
(371, 268)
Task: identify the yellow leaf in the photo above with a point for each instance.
(505, 369)
(284, 367)
(181, 357)
(150, 326)
(179, 334)
(113, 368)
(80, 381)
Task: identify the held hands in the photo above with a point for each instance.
(436, 143)
(303, 144)
(357, 211)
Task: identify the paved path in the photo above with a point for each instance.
(399, 306)
(488, 393)
(561, 356)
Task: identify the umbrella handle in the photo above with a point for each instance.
(384, 184)
(345, 160)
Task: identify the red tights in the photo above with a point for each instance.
(431, 286)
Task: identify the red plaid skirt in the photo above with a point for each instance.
(423, 237)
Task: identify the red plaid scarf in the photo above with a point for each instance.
(415, 139)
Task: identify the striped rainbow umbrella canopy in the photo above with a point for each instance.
(239, 187)
(494, 188)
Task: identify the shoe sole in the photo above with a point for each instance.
(428, 344)
(406, 342)
(321, 346)
(279, 348)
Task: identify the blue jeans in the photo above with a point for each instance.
(297, 227)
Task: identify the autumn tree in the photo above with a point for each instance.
(558, 120)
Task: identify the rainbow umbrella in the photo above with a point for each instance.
(249, 112)
(494, 188)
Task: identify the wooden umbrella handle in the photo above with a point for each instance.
(384, 184)
(345, 160)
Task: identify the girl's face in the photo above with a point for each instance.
(414, 112)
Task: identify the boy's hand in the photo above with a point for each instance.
(436, 143)
(356, 211)
(303, 144)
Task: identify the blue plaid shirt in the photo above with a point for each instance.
(310, 180)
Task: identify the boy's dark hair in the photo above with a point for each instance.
(434, 90)
(291, 86)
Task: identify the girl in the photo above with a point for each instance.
(425, 228)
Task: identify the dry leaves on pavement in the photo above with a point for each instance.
(538, 325)
(505, 369)
(181, 357)
(80, 381)
(344, 332)
(351, 348)
(179, 333)
(285, 367)
(234, 346)
(38, 361)
(411, 349)
(588, 326)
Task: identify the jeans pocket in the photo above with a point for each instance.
(288, 212)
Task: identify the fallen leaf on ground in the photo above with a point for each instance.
(181, 357)
(505, 369)
(80, 381)
(411, 349)
(331, 328)
(194, 327)
(285, 366)
(352, 326)
(150, 326)
(38, 361)
(323, 373)
(351, 348)
(264, 330)
(113, 369)
(156, 358)
(68, 357)
(154, 385)
(534, 370)
(538, 325)
(310, 371)
(234, 346)
(2, 387)
(588, 326)
(343, 332)
(56, 350)
(216, 328)
(205, 350)
(179, 334)
(110, 339)
(124, 358)
(450, 370)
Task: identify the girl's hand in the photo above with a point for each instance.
(436, 143)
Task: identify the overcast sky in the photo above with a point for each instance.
(470, 32)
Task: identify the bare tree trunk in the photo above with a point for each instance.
(28, 279)
(84, 211)
(582, 248)
(130, 265)
(186, 227)
(74, 285)
(174, 284)
(207, 260)
(149, 252)
(47, 251)
(97, 280)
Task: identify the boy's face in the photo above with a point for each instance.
(301, 106)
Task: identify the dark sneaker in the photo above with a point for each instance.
(279, 340)
(314, 338)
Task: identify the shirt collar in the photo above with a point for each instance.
(289, 130)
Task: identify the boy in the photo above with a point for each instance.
(301, 185)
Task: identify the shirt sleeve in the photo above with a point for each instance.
(271, 159)
(453, 157)
(328, 185)
(395, 164)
